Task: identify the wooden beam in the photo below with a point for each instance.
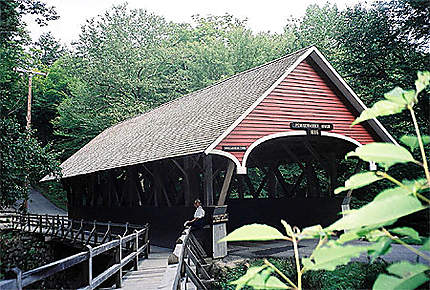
(226, 184)
(281, 180)
(159, 172)
(186, 187)
(297, 183)
(195, 161)
(240, 189)
(318, 157)
(208, 180)
(249, 184)
(313, 187)
(272, 188)
(262, 184)
(293, 156)
(332, 166)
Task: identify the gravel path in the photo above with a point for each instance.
(38, 204)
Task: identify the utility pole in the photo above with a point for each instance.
(30, 73)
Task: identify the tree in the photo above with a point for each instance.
(46, 50)
(411, 19)
(128, 61)
(23, 160)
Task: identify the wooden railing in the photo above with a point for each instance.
(74, 230)
(128, 246)
(187, 263)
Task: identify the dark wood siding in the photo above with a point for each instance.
(303, 96)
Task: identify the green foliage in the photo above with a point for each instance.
(380, 211)
(259, 278)
(23, 162)
(412, 141)
(358, 180)
(408, 232)
(328, 258)
(23, 159)
(403, 275)
(385, 154)
(355, 275)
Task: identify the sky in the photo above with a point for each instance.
(266, 15)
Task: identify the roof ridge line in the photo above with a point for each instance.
(214, 84)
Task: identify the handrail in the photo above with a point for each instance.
(186, 262)
(138, 239)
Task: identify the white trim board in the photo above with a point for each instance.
(292, 133)
(241, 167)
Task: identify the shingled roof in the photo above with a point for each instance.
(197, 121)
(186, 125)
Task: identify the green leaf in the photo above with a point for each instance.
(406, 231)
(404, 276)
(358, 180)
(259, 278)
(311, 232)
(254, 232)
(374, 235)
(400, 96)
(332, 255)
(423, 81)
(412, 141)
(426, 246)
(348, 236)
(380, 108)
(252, 271)
(386, 208)
(381, 247)
(385, 154)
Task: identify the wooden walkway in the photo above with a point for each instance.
(150, 271)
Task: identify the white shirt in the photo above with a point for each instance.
(200, 212)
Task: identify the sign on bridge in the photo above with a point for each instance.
(313, 129)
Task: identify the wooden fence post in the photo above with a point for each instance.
(47, 224)
(95, 233)
(118, 258)
(18, 273)
(82, 231)
(90, 266)
(40, 224)
(147, 241)
(136, 250)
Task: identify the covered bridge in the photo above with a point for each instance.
(293, 111)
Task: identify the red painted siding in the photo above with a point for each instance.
(302, 96)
